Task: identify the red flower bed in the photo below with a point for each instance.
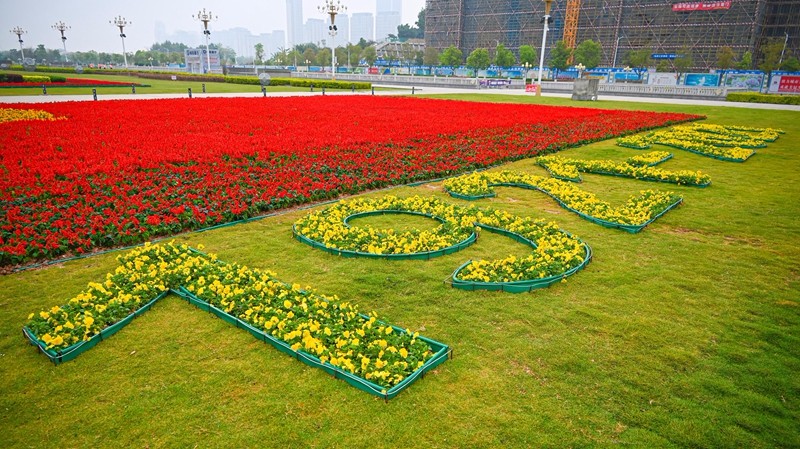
(121, 172)
(71, 82)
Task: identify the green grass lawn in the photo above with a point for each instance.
(684, 335)
(154, 87)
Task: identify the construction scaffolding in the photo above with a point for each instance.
(666, 28)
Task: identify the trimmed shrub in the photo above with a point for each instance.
(35, 79)
(304, 82)
(10, 78)
(57, 78)
(754, 97)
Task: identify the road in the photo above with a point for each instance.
(396, 90)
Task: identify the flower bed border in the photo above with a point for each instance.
(516, 286)
(633, 229)
(441, 351)
(422, 255)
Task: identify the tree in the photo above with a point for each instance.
(354, 54)
(747, 61)
(770, 55)
(406, 31)
(40, 54)
(308, 57)
(479, 59)
(503, 56)
(369, 54)
(431, 56)
(588, 53)
(663, 66)
(227, 55)
(323, 57)
(559, 57)
(791, 64)
(528, 54)
(725, 58)
(683, 62)
(408, 53)
(259, 53)
(638, 60)
(451, 56)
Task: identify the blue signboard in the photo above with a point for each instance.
(663, 56)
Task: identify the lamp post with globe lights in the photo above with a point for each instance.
(332, 8)
(62, 27)
(120, 22)
(19, 32)
(206, 17)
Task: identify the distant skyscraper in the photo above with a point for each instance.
(343, 26)
(386, 23)
(315, 31)
(294, 22)
(388, 6)
(160, 31)
(362, 27)
(387, 18)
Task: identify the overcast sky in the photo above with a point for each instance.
(91, 30)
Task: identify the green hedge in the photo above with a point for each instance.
(305, 82)
(753, 97)
(10, 78)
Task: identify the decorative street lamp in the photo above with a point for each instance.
(308, 65)
(547, 5)
(527, 66)
(121, 23)
(206, 17)
(19, 32)
(61, 26)
(580, 68)
(332, 9)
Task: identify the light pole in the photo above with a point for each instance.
(547, 4)
(308, 65)
(527, 66)
(785, 41)
(61, 26)
(616, 48)
(332, 9)
(121, 23)
(206, 17)
(19, 32)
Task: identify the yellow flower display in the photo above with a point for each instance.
(555, 252)
(632, 216)
(569, 170)
(725, 142)
(13, 115)
(324, 327)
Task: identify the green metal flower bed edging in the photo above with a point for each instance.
(423, 255)
(721, 158)
(441, 351)
(666, 181)
(73, 351)
(633, 229)
(633, 147)
(660, 161)
(517, 286)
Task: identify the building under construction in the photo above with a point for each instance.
(665, 27)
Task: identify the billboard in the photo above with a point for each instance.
(701, 79)
(700, 6)
(749, 81)
(785, 84)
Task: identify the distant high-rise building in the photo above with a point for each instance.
(388, 6)
(362, 27)
(160, 31)
(343, 27)
(315, 32)
(386, 23)
(294, 23)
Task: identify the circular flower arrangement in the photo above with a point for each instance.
(556, 254)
